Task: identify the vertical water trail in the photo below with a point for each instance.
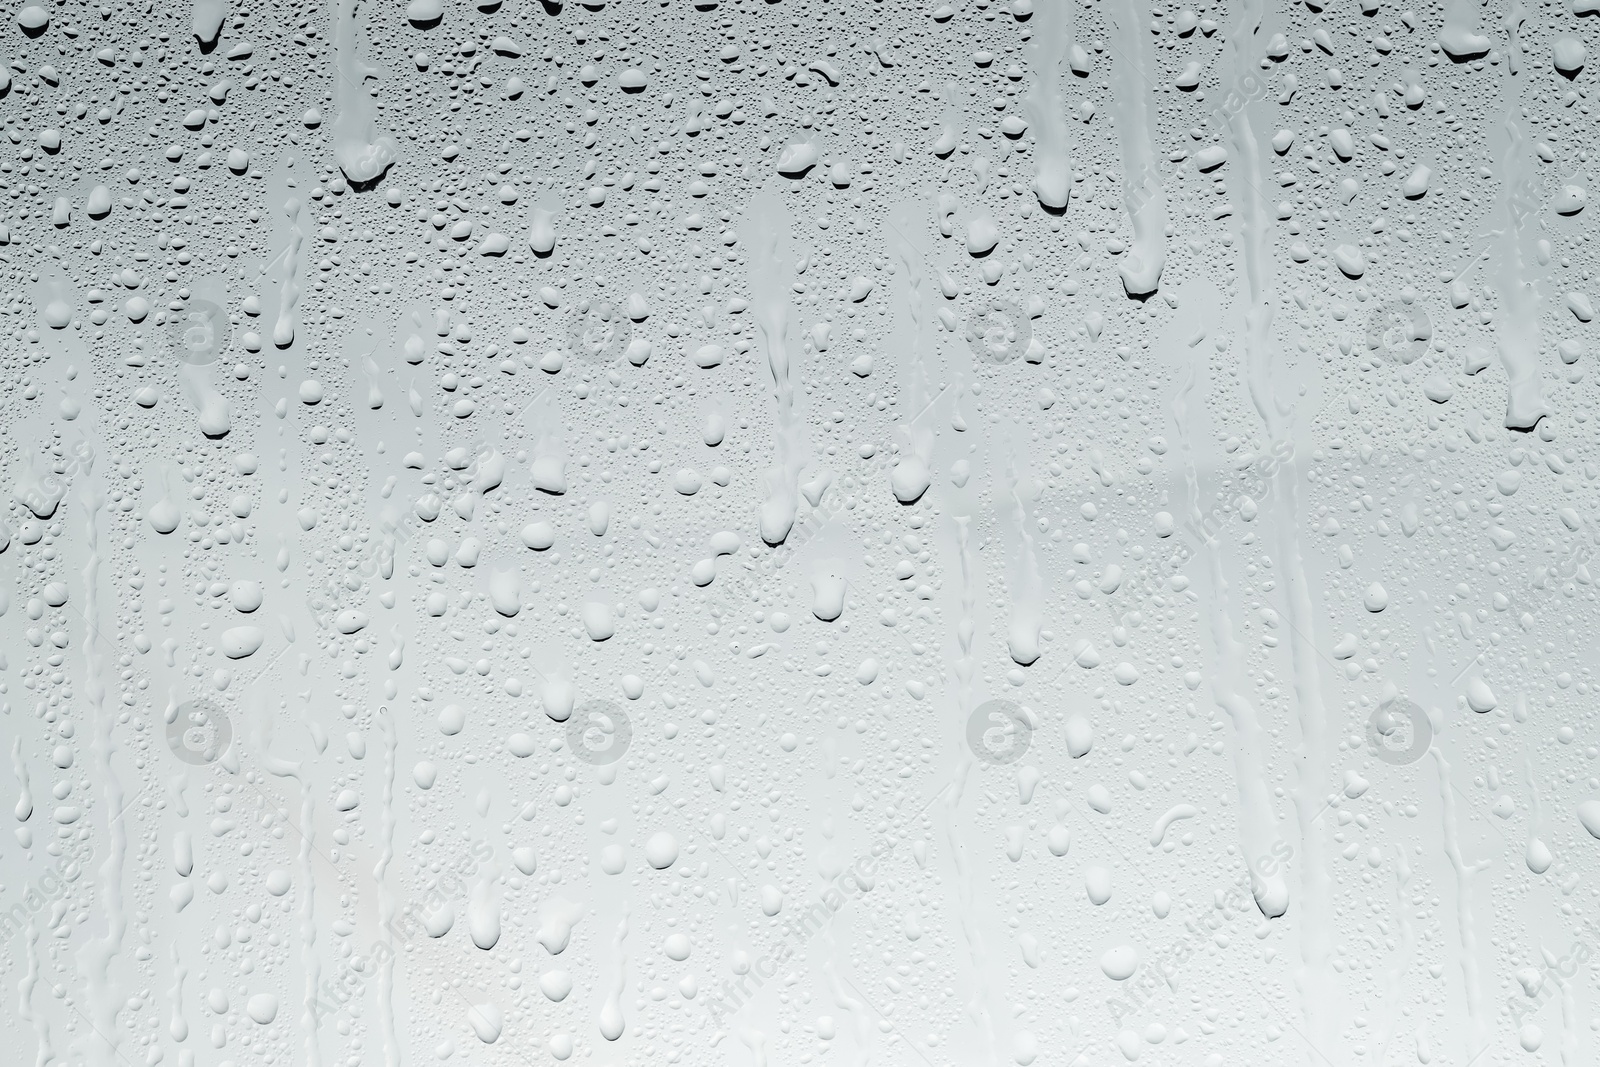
(1517, 325)
(363, 151)
(24, 807)
(844, 1000)
(485, 902)
(205, 20)
(283, 329)
(1477, 1035)
(1569, 1015)
(386, 903)
(1026, 581)
(1537, 856)
(1256, 833)
(308, 925)
(769, 222)
(105, 999)
(179, 1026)
(1400, 963)
(1142, 191)
(25, 987)
(1459, 35)
(282, 768)
(212, 411)
(611, 1021)
(1255, 226)
(1045, 104)
(1568, 1047)
(912, 474)
(1311, 785)
(756, 1041)
(965, 669)
(1316, 986)
(952, 125)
